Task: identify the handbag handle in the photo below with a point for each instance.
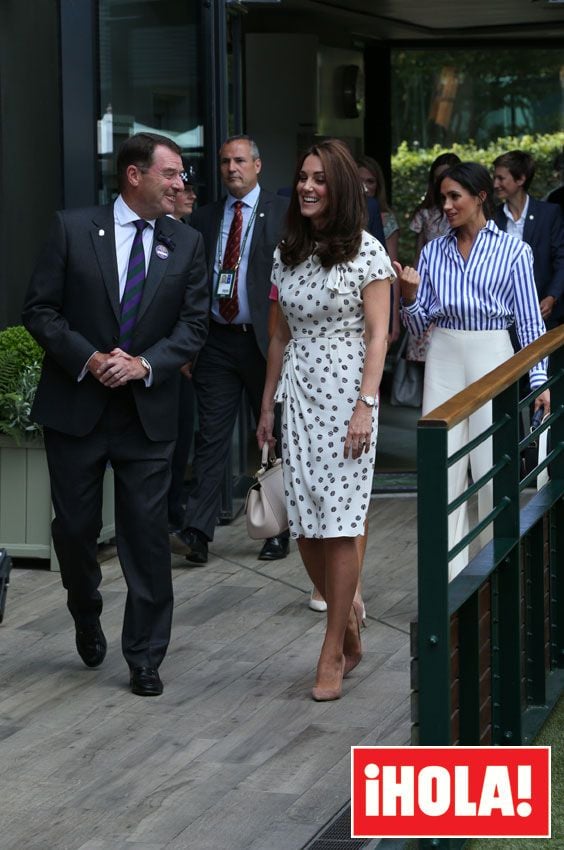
(402, 348)
(268, 456)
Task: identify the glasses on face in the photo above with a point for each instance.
(167, 173)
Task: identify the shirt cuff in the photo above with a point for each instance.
(148, 379)
(409, 308)
(85, 367)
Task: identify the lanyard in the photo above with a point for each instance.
(244, 242)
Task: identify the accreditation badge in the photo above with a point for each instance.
(225, 283)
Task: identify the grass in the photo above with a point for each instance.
(551, 734)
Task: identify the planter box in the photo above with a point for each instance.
(25, 502)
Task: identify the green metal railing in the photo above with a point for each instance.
(490, 644)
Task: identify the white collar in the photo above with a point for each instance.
(125, 215)
(249, 199)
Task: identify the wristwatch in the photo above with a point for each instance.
(368, 400)
(145, 363)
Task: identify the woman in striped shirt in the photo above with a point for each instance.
(472, 284)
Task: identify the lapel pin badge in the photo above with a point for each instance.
(101, 232)
(161, 251)
(261, 215)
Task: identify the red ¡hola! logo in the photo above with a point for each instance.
(450, 792)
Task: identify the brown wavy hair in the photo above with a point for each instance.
(340, 236)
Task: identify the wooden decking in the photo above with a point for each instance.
(235, 755)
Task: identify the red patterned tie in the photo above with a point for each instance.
(229, 307)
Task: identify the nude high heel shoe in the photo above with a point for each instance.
(320, 694)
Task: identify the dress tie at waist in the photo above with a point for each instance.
(290, 367)
(344, 335)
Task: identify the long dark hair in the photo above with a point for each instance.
(475, 179)
(449, 159)
(340, 237)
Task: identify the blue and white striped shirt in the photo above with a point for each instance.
(491, 290)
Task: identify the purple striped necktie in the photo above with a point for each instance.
(134, 283)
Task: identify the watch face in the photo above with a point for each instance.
(368, 399)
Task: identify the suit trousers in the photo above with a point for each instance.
(142, 480)
(186, 412)
(229, 363)
(455, 359)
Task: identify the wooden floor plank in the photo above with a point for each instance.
(235, 755)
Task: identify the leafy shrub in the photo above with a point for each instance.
(410, 170)
(20, 367)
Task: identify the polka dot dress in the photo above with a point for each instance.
(327, 494)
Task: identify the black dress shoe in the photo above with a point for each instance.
(191, 544)
(91, 643)
(145, 681)
(274, 548)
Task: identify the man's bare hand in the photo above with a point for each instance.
(546, 306)
(120, 368)
(96, 364)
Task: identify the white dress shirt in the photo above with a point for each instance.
(124, 232)
(490, 290)
(515, 227)
(124, 235)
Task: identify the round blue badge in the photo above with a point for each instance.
(161, 252)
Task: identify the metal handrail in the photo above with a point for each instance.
(466, 402)
(497, 569)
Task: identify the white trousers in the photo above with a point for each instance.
(456, 359)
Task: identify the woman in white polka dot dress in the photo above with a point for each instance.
(325, 362)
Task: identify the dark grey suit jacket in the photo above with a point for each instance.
(544, 232)
(72, 309)
(267, 232)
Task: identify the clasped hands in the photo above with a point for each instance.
(116, 368)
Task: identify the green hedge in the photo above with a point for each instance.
(410, 169)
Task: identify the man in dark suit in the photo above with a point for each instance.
(538, 223)
(240, 234)
(119, 302)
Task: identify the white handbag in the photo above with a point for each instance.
(265, 507)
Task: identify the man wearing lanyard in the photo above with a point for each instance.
(240, 235)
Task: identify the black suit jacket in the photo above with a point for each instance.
(374, 225)
(267, 232)
(544, 232)
(72, 309)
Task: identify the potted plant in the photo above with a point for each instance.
(25, 495)
(20, 366)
